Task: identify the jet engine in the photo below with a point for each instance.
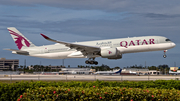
(111, 53)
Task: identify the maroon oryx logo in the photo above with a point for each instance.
(109, 52)
(19, 39)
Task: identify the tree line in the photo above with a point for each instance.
(40, 68)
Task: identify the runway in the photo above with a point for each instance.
(87, 77)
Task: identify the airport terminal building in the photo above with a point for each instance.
(8, 64)
(141, 71)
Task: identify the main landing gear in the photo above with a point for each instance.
(165, 54)
(89, 61)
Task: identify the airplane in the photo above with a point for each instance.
(109, 48)
(109, 72)
(132, 72)
(174, 73)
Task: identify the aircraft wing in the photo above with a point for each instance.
(79, 47)
(18, 51)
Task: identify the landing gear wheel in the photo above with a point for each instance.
(164, 56)
(95, 62)
(87, 62)
(91, 61)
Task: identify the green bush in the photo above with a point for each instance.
(10, 92)
(96, 94)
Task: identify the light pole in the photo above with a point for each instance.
(63, 62)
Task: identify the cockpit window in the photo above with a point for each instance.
(168, 40)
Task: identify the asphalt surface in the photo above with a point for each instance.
(88, 77)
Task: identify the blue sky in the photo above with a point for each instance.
(84, 20)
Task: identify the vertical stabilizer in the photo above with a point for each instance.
(20, 40)
(119, 71)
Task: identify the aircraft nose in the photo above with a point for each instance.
(173, 44)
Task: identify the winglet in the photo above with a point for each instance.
(45, 36)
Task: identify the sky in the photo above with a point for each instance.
(85, 20)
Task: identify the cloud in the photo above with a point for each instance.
(132, 25)
(138, 6)
(70, 4)
(162, 16)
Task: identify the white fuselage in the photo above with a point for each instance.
(123, 45)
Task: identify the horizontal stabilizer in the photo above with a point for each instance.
(18, 51)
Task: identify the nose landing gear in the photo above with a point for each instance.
(165, 54)
(89, 61)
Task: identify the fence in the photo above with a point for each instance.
(87, 77)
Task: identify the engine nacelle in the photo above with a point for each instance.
(111, 53)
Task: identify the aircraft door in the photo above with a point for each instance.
(46, 50)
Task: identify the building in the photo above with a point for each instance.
(140, 71)
(75, 70)
(154, 72)
(55, 67)
(69, 70)
(8, 64)
(51, 67)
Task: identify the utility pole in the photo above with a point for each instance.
(174, 64)
(63, 62)
(24, 65)
(40, 66)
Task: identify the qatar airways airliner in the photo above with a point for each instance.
(110, 48)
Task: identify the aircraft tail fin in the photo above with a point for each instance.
(119, 71)
(20, 40)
